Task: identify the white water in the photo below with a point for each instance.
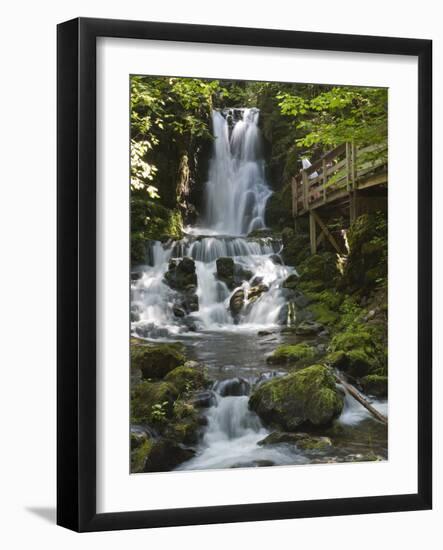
(236, 190)
(232, 436)
(236, 196)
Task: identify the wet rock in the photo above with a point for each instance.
(276, 258)
(178, 312)
(264, 333)
(204, 399)
(189, 301)
(141, 444)
(187, 378)
(308, 328)
(302, 301)
(152, 402)
(375, 384)
(291, 282)
(241, 274)
(254, 464)
(233, 386)
(181, 274)
(301, 440)
(136, 275)
(135, 316)
(225, 270)
(237, 301)
(256, 291)
(307, 397)
(155, 361)
(165, 455)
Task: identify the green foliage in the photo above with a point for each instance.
(337, 115)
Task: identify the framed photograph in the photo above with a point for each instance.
(244, 274)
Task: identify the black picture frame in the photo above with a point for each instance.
(76, 265)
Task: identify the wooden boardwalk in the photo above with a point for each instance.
(342, 178)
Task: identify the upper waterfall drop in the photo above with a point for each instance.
(236, 190)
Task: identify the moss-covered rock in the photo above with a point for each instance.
(166, 454)
(295, 247)
(291, 282)
(152, 403)
(139, 456)
(305, 397)
(187, 378)
(291, 354)
(354, 362)
(366, 264)
(155, 361)
(185, 424)
(301, 440)
(375, 384)
(317, 272)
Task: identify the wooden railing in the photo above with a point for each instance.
(337, 174)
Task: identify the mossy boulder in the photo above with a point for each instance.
(366, 264)
(236, 302)
(375, 384)
(323, 314)
(166, 454)
(308, 328)
(155, 361)
(152, 402)
(185, 424)
(356, 363)
(308, 397)
(291, 354)
(141, 444)
(301, 440)
(354, 351)
(317, 272)
(188, 378)
(291, 282)
(295, 247)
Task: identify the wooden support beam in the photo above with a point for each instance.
(312, 232)
(348, 166)
(326, 231)
(353, 213)
(305, 189)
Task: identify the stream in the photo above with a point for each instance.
(234, 347)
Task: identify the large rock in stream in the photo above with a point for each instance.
(181, 274)
(308, 397)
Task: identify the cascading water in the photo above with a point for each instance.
(236, 191)
(236, 196)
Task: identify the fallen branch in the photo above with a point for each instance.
(356, 395)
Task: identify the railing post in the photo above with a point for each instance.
(323, 168)
(305, 189)
(354, 165)
(294, 185)
(348, 166)
(312, 233)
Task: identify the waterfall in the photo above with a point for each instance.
(236, 193)
(236, 190)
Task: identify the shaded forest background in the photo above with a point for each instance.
(171, 142)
